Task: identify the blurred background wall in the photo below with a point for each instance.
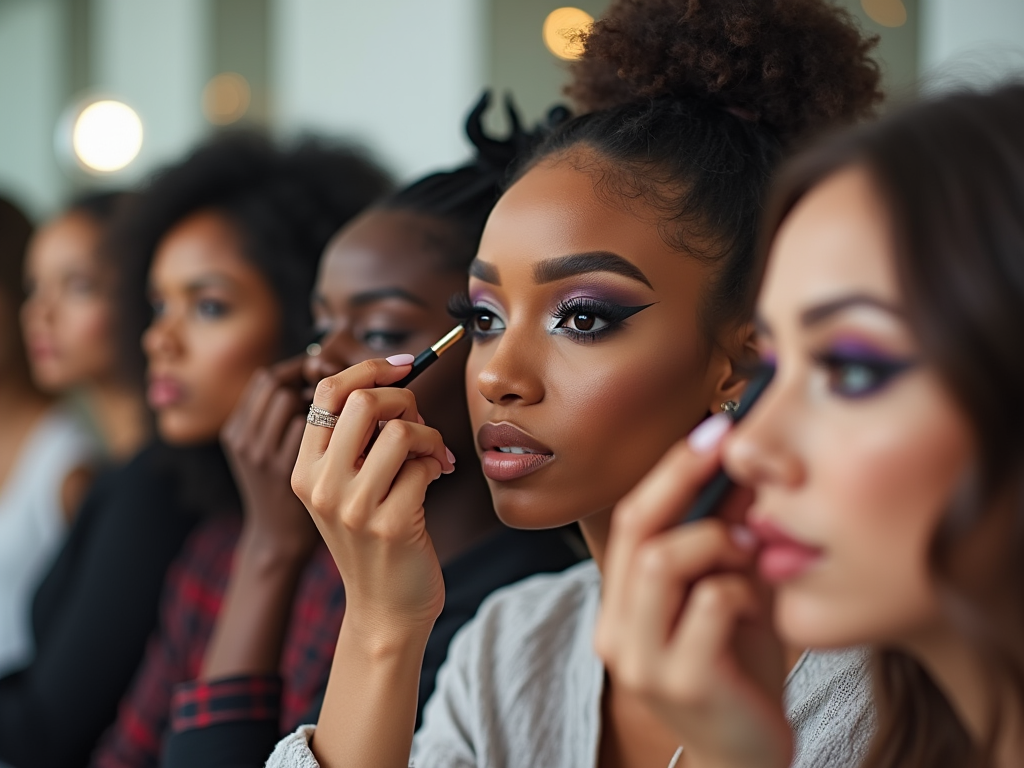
(395, 75)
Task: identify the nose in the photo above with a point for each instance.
(162, 339)
(512, 374)
(761, 449)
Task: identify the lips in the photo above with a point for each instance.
(164, 392)
(782, 557)
(509, 453)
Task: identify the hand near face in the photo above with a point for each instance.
(261, 440)
(684, 626)
(368, 504)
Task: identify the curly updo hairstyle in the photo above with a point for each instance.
(690, 105)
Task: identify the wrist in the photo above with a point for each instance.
(264, 552)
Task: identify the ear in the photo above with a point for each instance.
(737, 357)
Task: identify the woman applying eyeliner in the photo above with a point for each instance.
(885, 457)
(607, 308)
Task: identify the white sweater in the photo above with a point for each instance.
(521, 688)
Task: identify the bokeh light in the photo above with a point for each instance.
(888, 13)
(106, 136)
(226, 98)
(561, 32)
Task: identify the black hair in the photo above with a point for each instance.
(464, 196)
(15, 232)
(100, 207)
(284, 203)
(689, 105)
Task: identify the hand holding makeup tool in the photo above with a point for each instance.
(430, 355)
(714, 492)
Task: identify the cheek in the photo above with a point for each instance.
(876, 492)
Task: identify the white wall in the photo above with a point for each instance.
(971, 40)
(152, 54)
(32, 83)
(396, 75)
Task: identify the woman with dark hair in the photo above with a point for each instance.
(47, 457)
(887, 456)
(606, 305)
(253, 606)
(70, 321)
(224, 247)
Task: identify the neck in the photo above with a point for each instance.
(16, 395)
(595, 530)
(459, 513)
(121, 418)
(958, 671)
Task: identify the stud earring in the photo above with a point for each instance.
(729, 406)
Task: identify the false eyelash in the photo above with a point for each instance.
(461, 308)
(613, 313)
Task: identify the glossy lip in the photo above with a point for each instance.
(504, 467)
(164, 391)
(782, 557)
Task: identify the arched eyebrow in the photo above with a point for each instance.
(559, 268)
(820, 312)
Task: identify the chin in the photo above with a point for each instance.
(529, 509)
(174, 429)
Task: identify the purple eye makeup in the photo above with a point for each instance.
(856, 368)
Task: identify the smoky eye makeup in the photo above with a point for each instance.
(858, 369)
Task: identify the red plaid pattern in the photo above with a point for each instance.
(165, 690)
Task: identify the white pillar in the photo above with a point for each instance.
(152, 54)
(396, 75)
(32, 84)
(964, 41)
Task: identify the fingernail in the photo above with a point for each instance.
(743, 537)
(451, 456)
(400, 359)
(709, 433)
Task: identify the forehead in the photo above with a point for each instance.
(204, 242)
(561, 207)
(66, 241)
(385, 247)
(835, 241)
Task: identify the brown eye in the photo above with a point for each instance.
(584, 321)
(484, 322)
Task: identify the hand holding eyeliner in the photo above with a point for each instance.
(430, 355)
(712, 494)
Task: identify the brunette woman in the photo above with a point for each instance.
(887, 454)
(606, 305)
(47, 457)
(254, 663)
(223, 247)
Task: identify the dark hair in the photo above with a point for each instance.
(464, 196)
(951, 175)
(690, 104)
(100, 207)
(284, 203)
(15, 232)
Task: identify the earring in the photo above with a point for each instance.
(729, 406)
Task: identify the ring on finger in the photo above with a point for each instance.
(319, 417)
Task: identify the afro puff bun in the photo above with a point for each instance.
(795, 65)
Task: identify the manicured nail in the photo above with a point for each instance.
(451, 456)
(743, 537)
(709, 433)
(401, 359)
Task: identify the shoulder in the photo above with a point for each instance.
(530, 631)
(830, 706)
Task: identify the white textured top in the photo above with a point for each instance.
(522, 689)
(32, 523)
